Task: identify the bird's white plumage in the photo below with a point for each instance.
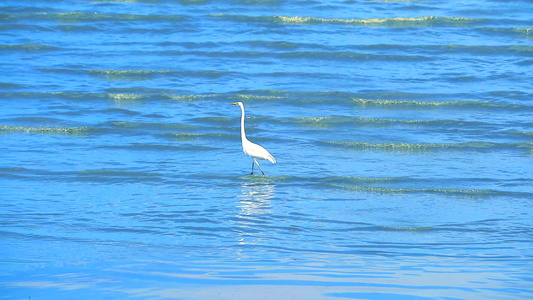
(256, 151)
(251, 149)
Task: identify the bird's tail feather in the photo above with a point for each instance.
(271, 159)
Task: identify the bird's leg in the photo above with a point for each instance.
(255, 160)
(252, 168)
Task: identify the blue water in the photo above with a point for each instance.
(402, 130)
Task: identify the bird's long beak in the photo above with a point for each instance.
(234, 103)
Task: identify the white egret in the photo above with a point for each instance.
(253, 150)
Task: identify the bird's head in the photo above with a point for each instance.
(237, 103)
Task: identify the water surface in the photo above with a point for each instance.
(402, 130)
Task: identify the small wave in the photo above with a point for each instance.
(117, 97)
(28, 47)
(524, 133)
(136, 95)
(254, 179)
(409, 229)
(153, 126)
(433, 50)
(9, 85)
(215, 120)
(75, 17)
(127, 74)
(205, 73)
(426, 21)
(125, 97)
(158, 147)
(277, 93)
(379, 102)
(111, 74)
(345, 55)
(413, 147)
(61, 71)
(113, 175)
(257, 97)
(78, 28)
(36, 120)
(191, 98)
(307, 180)
(497, 50)
(528, 147)
(18, 172)
(528, 62)
(325, 55)
(326, 122)
(516, 31)
(74, 131)
(461, 192)
(352, 179)
(120, 111)
(228, 97)
(420, 21)
(101, 175)
(282, 45)
(187, 136)
(190, 45)
(458, 103)
(113, 172)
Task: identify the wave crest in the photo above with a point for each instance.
(424, 21)
(414, 147)
(76, 131)
(441, 191)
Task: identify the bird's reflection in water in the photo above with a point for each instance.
(254, 206)
(255, 199)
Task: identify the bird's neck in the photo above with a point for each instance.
(243, 133)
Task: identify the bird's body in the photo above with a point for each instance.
(251, 149)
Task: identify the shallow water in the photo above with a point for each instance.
(402, 131)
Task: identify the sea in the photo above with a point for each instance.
(402, 131)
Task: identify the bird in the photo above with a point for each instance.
(251, 149)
